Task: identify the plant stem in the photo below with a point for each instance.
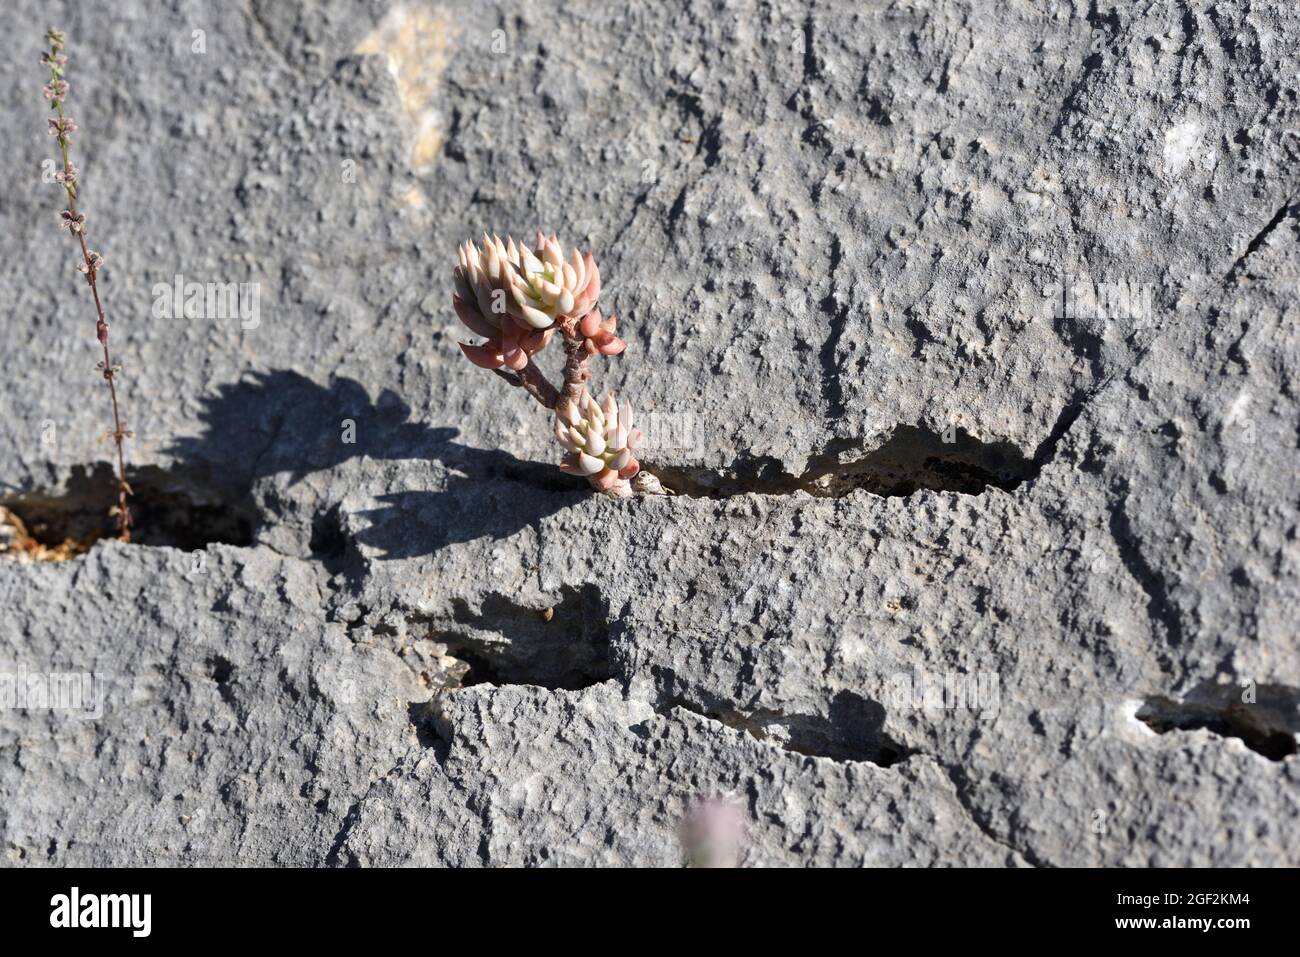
(110, 375)
(119, 434)
(575, 363)
(532, 381)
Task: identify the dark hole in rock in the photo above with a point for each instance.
(328, 541)
(910, 459)
(425, 724)
(565, 647)
(1267, 725)
(506, 644)
(222, 671)
(185, 511)
(335, 548)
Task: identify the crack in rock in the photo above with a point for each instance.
(567, 647)
(853, 730)
(178, 508)
(962, 791)
(911, 459)
(334, 856)
(1239, 267)
(1160, 606)
(1268, 724)
(838, 317)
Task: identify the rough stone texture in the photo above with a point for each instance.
(831, 232)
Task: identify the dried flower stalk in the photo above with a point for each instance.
(62, 128)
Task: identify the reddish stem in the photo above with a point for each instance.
(575, 361)
(110, 376)
(101, 323)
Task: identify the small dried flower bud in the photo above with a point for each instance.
(96, 262)
(74, 222)
(63, 127)
(55, 61)
(67, 176)
(55, 39)
(643, 483)
(56, 90)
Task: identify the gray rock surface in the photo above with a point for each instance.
(836, 236)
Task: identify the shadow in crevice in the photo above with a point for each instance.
(181, 508)
(424, 721)
(1268, 725)
(912, 458)
(507, 644)
(563, 647)
(282, 423)
(853, 729)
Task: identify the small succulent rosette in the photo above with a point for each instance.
(514, 296)
(598, 334)
(599, 439)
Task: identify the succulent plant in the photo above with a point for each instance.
(598, 333)
(518, 299)
(599, 438)
(514, 296)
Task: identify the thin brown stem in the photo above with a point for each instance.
(534, 382)
(538, 386)
(110, 376)
(119, 433)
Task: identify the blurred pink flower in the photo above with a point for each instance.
(712, 832)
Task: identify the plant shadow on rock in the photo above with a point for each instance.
(281, 422)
